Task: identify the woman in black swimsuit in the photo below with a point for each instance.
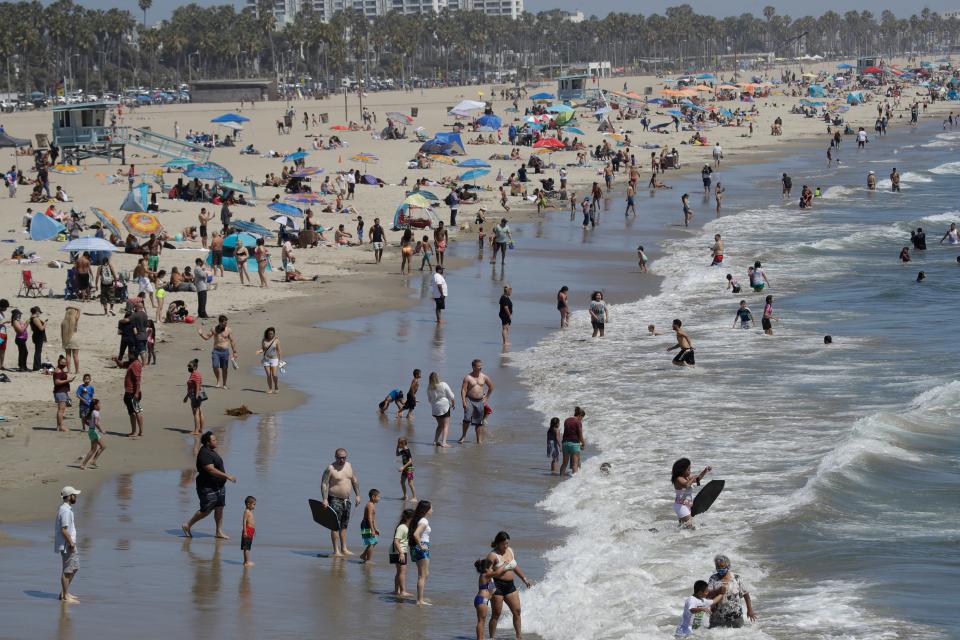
(562, 306)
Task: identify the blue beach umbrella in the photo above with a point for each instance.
(574, 130)
(429, 195)
(473, 162)
(844, 65)
(306, 172)
(705, 76)
(251, 227)
(296, 155)
(542, 96)
(178, 163)
(208, 171)
(230, 185)
(230, 117)
(490, 120)
(286, 209)
(473, 174)
(560, 108)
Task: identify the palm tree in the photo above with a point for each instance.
(144, 5)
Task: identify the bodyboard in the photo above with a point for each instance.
(705, 497)
(327, 517)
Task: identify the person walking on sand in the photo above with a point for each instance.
(224, 349)
(262, 254)
(200, 284)
(505, 565)
(195, 395)
(65, 543)
(685, 357)
(475, 392)
(506, 314)
(419, 542)
(95, 433)
(438, 290)
(502, 238)
(377, 239)
(203, 218)
(406, 469)
(68, 333)
(572, 441)
(270, 357)
(442, 402)
(718, 196)
(631, 206)
(369, 532)
(133, 393)
(211, 486)
(338, 480)
(106, 277)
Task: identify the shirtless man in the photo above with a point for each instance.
(685, 357)
(717, 250)
(895, 180)
(338, 480)
(216, 252)
(475, 391)
(223, 344)
(82, 266)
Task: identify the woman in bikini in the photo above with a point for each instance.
(505, 565)
(263, 258)
(269, 353)
(563, 307)
(406, 252)
(440, 238)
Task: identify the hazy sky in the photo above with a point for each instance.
(162, 8)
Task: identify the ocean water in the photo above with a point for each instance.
(841, 503)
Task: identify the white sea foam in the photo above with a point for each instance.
(625, 562)
(948, 169)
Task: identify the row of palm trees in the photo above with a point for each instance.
(98, 49)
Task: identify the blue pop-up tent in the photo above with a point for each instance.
(816, 91)
(137, 198)
(855, 97)
(230, 246)
(490, 120)
(43, 227)
(448, 144)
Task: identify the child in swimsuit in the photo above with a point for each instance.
(249, 529)
(485, 588)
(426, 249)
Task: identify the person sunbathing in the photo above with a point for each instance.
(343, 238)
(292, 274)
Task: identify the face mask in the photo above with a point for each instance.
(722, 572)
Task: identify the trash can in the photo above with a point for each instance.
(324, 118)
(288, 121)
(414, 111)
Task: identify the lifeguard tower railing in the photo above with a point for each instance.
(164, 145)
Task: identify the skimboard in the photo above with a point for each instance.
(704, 498)
(327, 517)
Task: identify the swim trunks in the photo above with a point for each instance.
(473, 412)
(367, 535)
(766, 324)
(571, 448)
(211, 498)
(220, 358)
(341, 507)
(684, 357)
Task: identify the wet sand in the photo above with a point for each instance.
(129, 537)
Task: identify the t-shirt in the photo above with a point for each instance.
(500, 234)
(572, 430)
(599, 309)
(402, 534)
(125, 329)
(376, 233)
(60, 384)
(395, 394)
(195, 383)
(131, 381)
(787, 182)
(64, 519)
(138, 322)
(425, 534)
(692, 621)
(405, 457)
(200, 278)
(206, 480)
(85, 393)
(744, 314)
(506, 304)
(438, 288)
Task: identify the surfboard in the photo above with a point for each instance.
(705, 497)
(327, 517)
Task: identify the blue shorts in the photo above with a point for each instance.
(220, 358)
(419, 554)
(571, 448)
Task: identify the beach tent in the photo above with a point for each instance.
(490, 120)
(474, 162)
(407, 217)
(543, 96)
(137, 198)
(43, 227)
(230, 245)
(8, 141)
(230, 117)
(564, 117)
(816, 91)
(855, 97)
(466, 107)
(447, 144)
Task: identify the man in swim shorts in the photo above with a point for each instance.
(338, 480)
(475, 391)
(685, 357)
(717, 251)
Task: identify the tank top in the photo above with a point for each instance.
(684, 496)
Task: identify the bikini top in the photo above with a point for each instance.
(489, 585)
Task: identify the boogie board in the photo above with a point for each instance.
(327, 517)
(704, 498)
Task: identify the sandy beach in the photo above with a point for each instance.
(349, 303)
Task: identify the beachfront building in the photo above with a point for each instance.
(286, 10)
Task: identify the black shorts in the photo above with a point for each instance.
(736, 288)
(505, 320)
(766, 324)
(133, 405)
(210, 498)
(410, 404)
(504, 587)
(83, 281)
(341, 506)
(216, 258)
(246, 543)
(597, 325)
(684, 357)
(441, 302)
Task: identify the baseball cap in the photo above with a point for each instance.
(69, 491)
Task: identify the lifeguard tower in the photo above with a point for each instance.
(82, 131)
(572, 87)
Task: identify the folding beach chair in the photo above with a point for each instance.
(30, 287)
